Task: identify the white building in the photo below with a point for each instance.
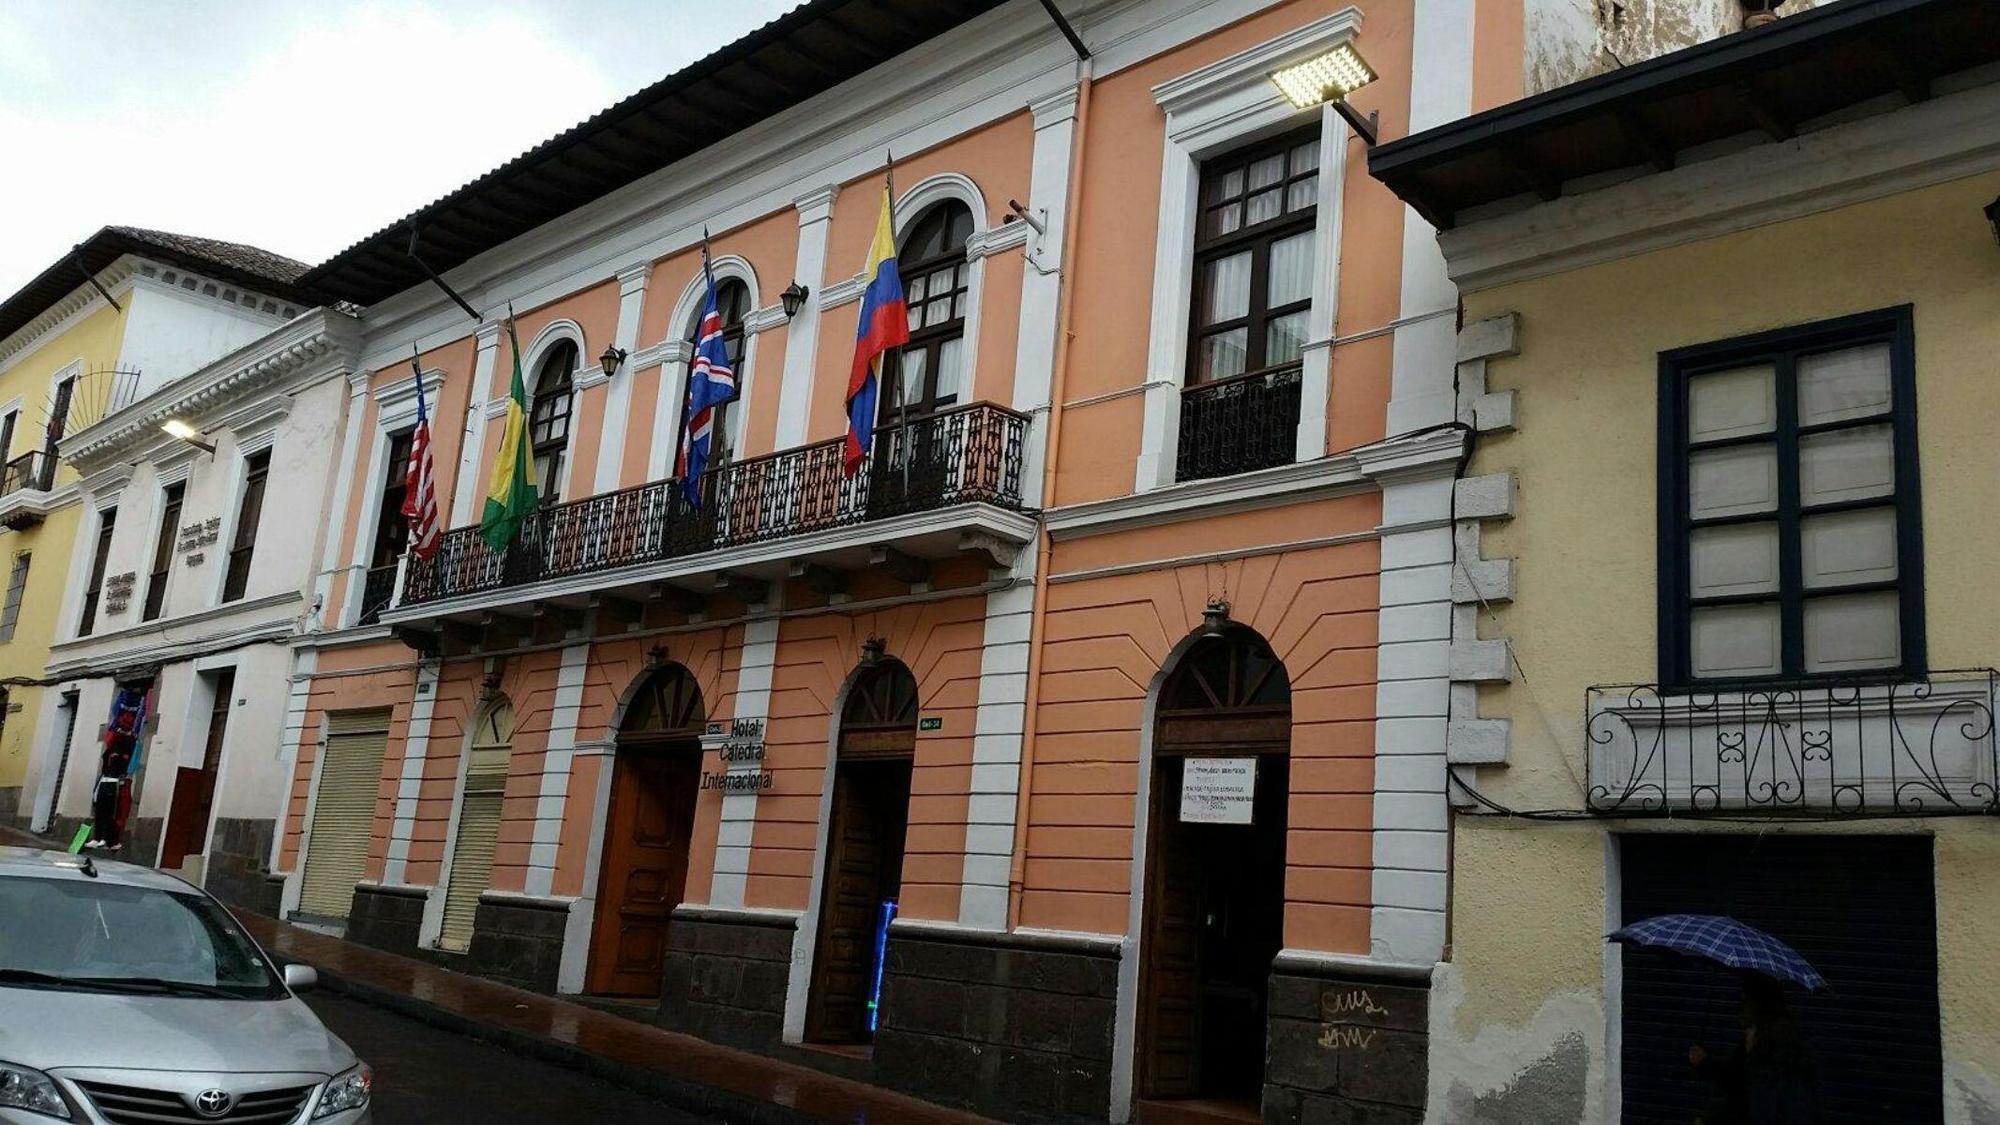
(190, 575)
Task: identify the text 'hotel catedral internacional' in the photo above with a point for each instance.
(1062, 732)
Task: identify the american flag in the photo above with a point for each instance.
(420, 486)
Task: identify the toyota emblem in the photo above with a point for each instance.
(213, 1103)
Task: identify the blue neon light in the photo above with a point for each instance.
(888, 912)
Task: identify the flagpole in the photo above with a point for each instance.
(903, 408)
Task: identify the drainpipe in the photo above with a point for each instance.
(1044, 545)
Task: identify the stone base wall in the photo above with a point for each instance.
(724, 976)
(1347, 1044)
(518, 941)
(11, 814)
(387, 918)
(1018, 1028)
(239, 871)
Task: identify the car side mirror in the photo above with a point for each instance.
(301, 978)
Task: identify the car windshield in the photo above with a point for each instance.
(87, 935)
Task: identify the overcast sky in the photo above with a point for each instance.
(301, 125)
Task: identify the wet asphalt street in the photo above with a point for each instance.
(428, 1076)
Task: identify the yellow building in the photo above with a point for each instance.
(1726, 626)
(124, 313)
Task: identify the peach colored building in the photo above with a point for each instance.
(1118, 675)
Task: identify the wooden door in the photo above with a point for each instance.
(194, 789)
(864, 868)
(644, 868)
(1170, 989)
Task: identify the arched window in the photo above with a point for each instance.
(732, 300)
(929, 372)
(548, 418)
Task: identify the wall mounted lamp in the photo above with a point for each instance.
(181, 431)
(1330, 78)
(613, 356)
(794, 299)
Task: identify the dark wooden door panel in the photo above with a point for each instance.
(644, 867)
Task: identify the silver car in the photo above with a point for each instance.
(128, 996)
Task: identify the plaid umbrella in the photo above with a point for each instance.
(1724, 941)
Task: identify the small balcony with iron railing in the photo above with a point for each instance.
(25, 484)
(1818, 747)
(1239, 425)
(933, 487)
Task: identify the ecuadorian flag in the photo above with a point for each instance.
(511, 495)
(885, 324)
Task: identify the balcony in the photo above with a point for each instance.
(1238, 425)
(1817, 747)
(25, 483)
(934, 487)
(378, 592)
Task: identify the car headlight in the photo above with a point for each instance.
(349, 1091)
(23, 1088)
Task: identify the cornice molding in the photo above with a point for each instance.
(1946, 138)
(319, 341)
(1431, 454)
(1255, 64)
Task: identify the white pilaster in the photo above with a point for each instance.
(416, 747)
(1041, 280)
(739, 808)
(465, 490)
(1420, 386)
(343, 485)
(996, 753)
(802, 341)
(1412, 702)
(618, 396)
(556, 763)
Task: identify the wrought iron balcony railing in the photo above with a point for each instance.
(1236, 425)
(969, 454)
(1852, 748)
(31, 471)
(378, 589)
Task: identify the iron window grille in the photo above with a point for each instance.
(1790, 532)
(1845, 747)
(1252, 301)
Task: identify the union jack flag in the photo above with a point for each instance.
(420, 485)
(711, 382)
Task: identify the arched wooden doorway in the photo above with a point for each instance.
(656, 776)
(864, 851)
(1215, 870)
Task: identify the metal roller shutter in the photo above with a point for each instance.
(478, 825)
(1860, 908)
(343, 816)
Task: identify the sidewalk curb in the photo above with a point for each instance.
(680, 1093)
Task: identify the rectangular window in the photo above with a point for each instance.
(1790, 533)
(7, 434)
(163, 550)
(1253, 287)
(17, 589)
(392, 531)
(256, 470)
(107, 520)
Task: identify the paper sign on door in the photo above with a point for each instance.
(1218, 790)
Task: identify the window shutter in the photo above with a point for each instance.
(343, 812)
(472, 855)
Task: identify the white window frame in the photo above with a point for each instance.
(680, 356)
(395, 410)
(552, 334)
(1210, 111)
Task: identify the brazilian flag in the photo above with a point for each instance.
(511, 495)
